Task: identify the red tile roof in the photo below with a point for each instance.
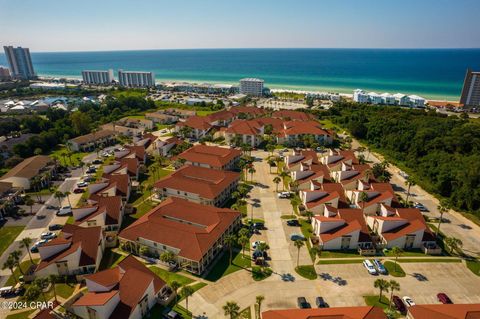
(303, 127)
(206, 182)
(292, 115)
(254, 111)
(112, 205)
(449, 311)
(96, 298)
(366, 312)
(213, 156)
(132, 165)
(120, 181)
(353, 219)
(190, 227)
(415, 222)
(243, 127)
(223, 115)
(196, 122)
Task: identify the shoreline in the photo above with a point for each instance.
(274, 87)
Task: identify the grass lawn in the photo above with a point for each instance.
(129, 93)
(21, 315)
(392, 270)
(474, 266)
(430, 260)
(307, 231)
(406, 253)
(25, 265)
(306, 271)
(169, 277)
(64, 290)
(8, 235)
(223, 268)
(288, 217)
(382, 303)
(110, 259)
(339, 261)
(73, 160)
(339, 254)
(259, 274)
(205, 113)
(245, 314)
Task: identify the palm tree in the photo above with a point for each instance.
(29, 202)
(175, 285)
(167, 256)
(10, 263)
(259, 299)
(442, 209)
(25, 243)
(232, 309)
(53, 281)
(187, 291)
(251, 170)
(299, 244)
(41, 283)
(309, 215)
(294, 186)
(409, 182)
(271, 163)
(59, 195)
(243, 241)
(382, 285)
(453, 243)
(315, 251)
(16, 254)
(278, 160)
(67, 195)
(394, 286)
(283, 175)
(368, 174)
(230, 241)
(277, 181)
(396, 251)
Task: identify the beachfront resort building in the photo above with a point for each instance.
(195, 233)
(361, 96)
(471, 90)
(97, 76)
(4, 73)
(20, 62)
(128, 291)
(136, 78)
(251, 86)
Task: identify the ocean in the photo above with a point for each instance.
(432, 73)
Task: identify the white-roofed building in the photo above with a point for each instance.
(401, 99)
(416, 101)
(375, 98)
(388, 99)
(360, 96)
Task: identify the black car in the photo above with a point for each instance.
(320, 302)
(97, 161)
(399, 305)
(258, 225)
(302, 303)
(55, 227)
(293, 222)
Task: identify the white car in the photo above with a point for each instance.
(256, 244)
(48, 235)
(283, 195)
(408, 301)
(65, 210)
(82, 184)
(370, 268)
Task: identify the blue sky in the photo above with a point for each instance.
(86, 25)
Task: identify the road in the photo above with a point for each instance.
(457, 226)
(36, 227)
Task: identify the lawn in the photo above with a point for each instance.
(339, 254)
(25, 265)
(205, 113)
(474, 266)
(21, 315)
(288, 217)
(169, 277)
(307, 231)
(259, 273)
(64, 290)
(110, 259)
(8, 235)
(339, 261)
(405, 253)
(395, 271)
(306, 271)
(382, 303)
(245, 314)
(73, 160)
(223, 268)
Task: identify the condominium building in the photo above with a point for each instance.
(136, 79)
(20, 62)
(251, 86)
(471, 90)
(97, 76)
(4, 73)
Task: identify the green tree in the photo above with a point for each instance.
(230, 241)
(59, 196)
(259, 300)
(251, 170)
(243, 241)
(442, 209)
(394, 286)
(175, 285)
(26, 242)
(53, 279)
(397, 252)
(67, 195)
(167, 256)
(10, 264)
(298, 244)
(409, 182)
(382, 285)
(277, 181)
(186, 292)
(29, 202)
(453, 244)
(231, 309)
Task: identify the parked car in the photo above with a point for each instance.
(89, 179)
(302, 303)
(91, 170)
(173, 315)
(284, 195)
(258, 225)
(97, 161)
(82, 184)
(380, 267)
(41, 216)
(320, 302)
(443, 298)
(64, 211)
(51, 207)
(408, 301)
(55, 227)
(399, 305)
(78, 190)
(34, 248)
(295, 237)
(369, 266)
(256, 244)
(48, 235)
(293, 222)
(7, 291)
(421, 207)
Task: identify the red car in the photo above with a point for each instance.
(78, 190)
(399, 305)
(443, 298)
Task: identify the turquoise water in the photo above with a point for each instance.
(433, 73)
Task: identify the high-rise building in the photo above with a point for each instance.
(471, 90)
(4, 73)
(136, 79)
(251, 86)
(97, 76)
(20, 62)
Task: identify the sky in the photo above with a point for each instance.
(100, 25)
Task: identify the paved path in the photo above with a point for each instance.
(458, 226)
